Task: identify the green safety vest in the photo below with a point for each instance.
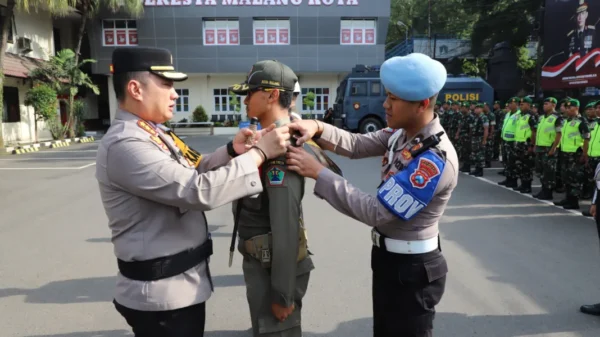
(523, 130)
(546, 131)
(594, 148)
(571, 139)
(510, 126)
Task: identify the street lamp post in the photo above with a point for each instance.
(400, 23)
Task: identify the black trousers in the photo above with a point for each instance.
(406, 289)
(184, 322)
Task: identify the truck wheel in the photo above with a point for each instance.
(370, 125)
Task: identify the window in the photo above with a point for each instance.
(223, 101)
(321, 99)
(119, 33)
(182, 102)
(358, 89)
(272, 32)
(375, 89)
(12, 109)
(358, 32)
(221, 32)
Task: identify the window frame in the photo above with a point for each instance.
(182, 100)
(279, 25)
(355, 26)
(229, 25)
(324, 98)
(129, 32)
(230, 107)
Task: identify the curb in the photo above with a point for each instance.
(49, 144)
(25, 149)
(84, 140)
(59, 144)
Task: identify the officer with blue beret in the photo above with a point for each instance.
(419, 172)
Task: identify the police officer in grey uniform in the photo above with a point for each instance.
(155, 190)
(273, 242)
(419, 173)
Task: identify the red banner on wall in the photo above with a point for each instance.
(346, 36)
(121, 37)
(284, 37)
(259, 36)
(234, 36)
(272, 36)
(222, 36)
(133, 37)
(370, 36)
(209, 36)
(109, 37)
(358, 35)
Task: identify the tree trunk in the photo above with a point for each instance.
(35, 123)
(85, 8)
(10, 6)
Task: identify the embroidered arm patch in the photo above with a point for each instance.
(407, 192)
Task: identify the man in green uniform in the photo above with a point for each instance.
(524, 142)
(273, 242)
(593, 152)
(499, 114)
(589, 184)
(508, 134)
(574, 148)
(549, 132)
(479, 135)
(463, 137)
(491, 138)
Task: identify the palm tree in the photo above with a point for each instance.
(55, 7)
(90, 8)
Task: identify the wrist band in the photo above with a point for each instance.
(318, 125)
(261, 152)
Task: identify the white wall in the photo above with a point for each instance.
(37, 27)
(23, 131)
(201, 88)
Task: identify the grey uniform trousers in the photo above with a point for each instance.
(258, 293)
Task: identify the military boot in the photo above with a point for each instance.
(572, 203)
(477, 172)
(488, 164)
(512, 183)
(466, 168)
(503, 182)
(525, 187)
(588, 192)
(586, 213)
(562, 202)
(545, 194)
(502, 173)
(516, 186)
(593, 309)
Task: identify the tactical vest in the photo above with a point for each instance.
(510, 126)
(546, 131)
(571, 139)
(522, 129)
(594, 148)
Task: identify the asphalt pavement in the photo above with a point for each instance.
(518, 266)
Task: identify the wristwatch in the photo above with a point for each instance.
(230, 150)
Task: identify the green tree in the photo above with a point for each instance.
(309, 101)
(42, 98)
(233, 100)
(199, 115)
(67, 78)
(55, 7)
(474, 67)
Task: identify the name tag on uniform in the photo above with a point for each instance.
(409, 191)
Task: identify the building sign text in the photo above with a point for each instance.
(164, 3)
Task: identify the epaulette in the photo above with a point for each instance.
(571, 32)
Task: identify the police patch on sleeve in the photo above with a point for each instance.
(407, 192)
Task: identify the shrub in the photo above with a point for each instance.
(199, 115)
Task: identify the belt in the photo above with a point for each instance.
(402, 246)
(168, 266)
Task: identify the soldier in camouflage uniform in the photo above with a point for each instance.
(479, 135)
(574, 148)
(499, 114)
(447, 118)
(463, 136)
(589, 184)
(490, 142)
(509, 129)
(524, 142)
(548, 135)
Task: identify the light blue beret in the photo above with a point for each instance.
(414, 77)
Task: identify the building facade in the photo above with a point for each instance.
(217, 41)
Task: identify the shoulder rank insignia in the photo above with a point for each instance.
(406, 154)
(160, 142)
(146, 127)
(275, 176)
(192, 156)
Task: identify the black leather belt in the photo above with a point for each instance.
(168, 266)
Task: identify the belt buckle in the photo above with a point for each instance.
(265, 256)
(375, 238)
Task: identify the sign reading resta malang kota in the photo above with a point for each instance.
(158, 3)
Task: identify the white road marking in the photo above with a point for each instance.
(59, 151)
(46, 168)
(71, 158)
(548, 202)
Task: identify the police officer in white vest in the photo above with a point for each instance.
(419, 173)
(155, 190)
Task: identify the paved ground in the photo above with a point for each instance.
(518, 267)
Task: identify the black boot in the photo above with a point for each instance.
(572, 203)
(562, 202)
(504, 182)
(478, 172)
(512, 183)
(545, 194)
(525, 187)
(488, 164)
(586, 213)
(517, 187)
(591, 309)
(502, 173)
(466, 168)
